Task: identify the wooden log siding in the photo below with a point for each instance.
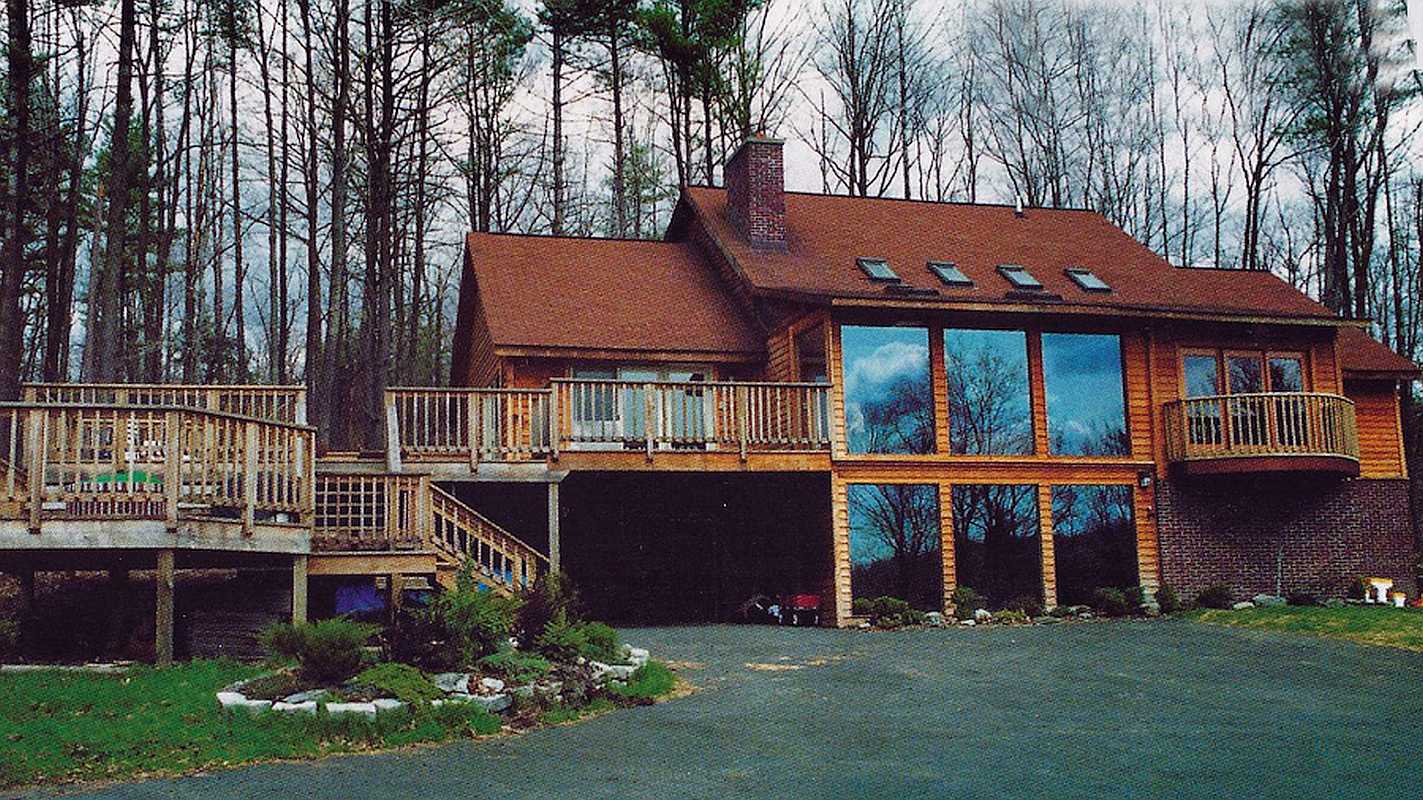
(1261, 424)
(87, 461)
(465, 536)
(734, 415)
(274, 403)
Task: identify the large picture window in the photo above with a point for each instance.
(895, 547)
(990, 407)
(1094, 541)
(1086, 403)
(889, 407)
(997, 545)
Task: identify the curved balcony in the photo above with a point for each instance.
(1268, 432)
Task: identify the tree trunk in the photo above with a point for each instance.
(12, 329)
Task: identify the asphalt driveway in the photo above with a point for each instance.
(1103, 710)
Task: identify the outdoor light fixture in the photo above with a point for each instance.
(1144, 479)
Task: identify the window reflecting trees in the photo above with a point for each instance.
(895, 547)
(1094, 541)
(1086, 402)
(889, 407)
(997, 547)
(990, 407)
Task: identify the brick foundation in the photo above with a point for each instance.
(1308, 536)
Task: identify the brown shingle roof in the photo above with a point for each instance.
(1361, 353)
(547, 291)
(826, 233)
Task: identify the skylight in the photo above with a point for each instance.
(1087, 279)
(877, 268)
(1019, 276)
(949, 273)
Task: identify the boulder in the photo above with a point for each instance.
(457, 697)
(1266, 600)
(934, 619)
(309, 707)
(1242, 605)
(1083, 614)
(494, 703)
(452, 682)
(637, 656)
(619, 672)
(967, 623)
(308, 696)
(387, 704)
(491, 685)
(982, 615)
(236, 701)
(526, 692)
(367, 710)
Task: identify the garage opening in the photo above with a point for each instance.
(666, 548)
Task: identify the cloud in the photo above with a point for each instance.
(884, 365)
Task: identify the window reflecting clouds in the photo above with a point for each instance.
(1086, 404)
(888, 404)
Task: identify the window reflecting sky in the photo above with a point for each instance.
(990, 408)
(888, 404)
(1086, 406)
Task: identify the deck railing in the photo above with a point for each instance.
(473, 424)
(1262, 424)
(466, 537)
(87, 461)
(371, 512)
(657, 415)
(275, 403)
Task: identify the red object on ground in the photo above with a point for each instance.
(801, 602)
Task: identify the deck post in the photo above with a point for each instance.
(172, 465)
(163, 618)
(553, 513)
(472, 408)
(249, 479)
(555, 425)
(36, 458)
(298, 589)
(743, 398)
(392, 436)
(649, 410)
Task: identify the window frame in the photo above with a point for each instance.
(957, 279)
(867, 265)
(1221, 354)
(1081, 276)
(1009, 270)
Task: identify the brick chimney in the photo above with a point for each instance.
(756, 192)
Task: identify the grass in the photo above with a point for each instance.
(1372, 625)
(71, 726)
(648, 682)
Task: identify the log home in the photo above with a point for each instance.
(853, 397)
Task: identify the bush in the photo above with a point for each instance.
(600, 643)
(649, 681)
(552, 594)
(272, 687)
(471, 623)
(561, 640)
(1112, 602)
(1300, 598)
(1217, 596)
(516, 667)
(888, 612)
(9, 638)
(1358, 590)
(401, 681)
(1011, 616)
(966, 601)
(327, 652)
(1168, 600)
(1027, 604)
(861, 607)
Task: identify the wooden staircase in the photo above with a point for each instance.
(408, 514)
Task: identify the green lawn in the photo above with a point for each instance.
(71, 726)
(1375, 625)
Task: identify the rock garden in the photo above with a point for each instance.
(521, 661)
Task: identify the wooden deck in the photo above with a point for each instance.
(1263, 432)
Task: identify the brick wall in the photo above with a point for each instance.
(756, 192)
(1316, 536)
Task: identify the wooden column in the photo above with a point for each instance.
(1037, 392)
(395, 586)
(939, 389)
(163, 619)
(946, 543)
(840, 536)
(298, 589)
(1049, 560)
(554, 556)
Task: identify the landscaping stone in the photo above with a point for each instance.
(493, 685)
(982, 615)
(1267, 600)
(387, 704)
(526, 692)
(310, 695)
(308, 707)
(1083, 614)
(967, 623)
(367, 710)
(620, 672)
(450, 682)
(637, 656)
(493, 703)
(236, 701)
(934, 619)
(457, 697)
(1242, 605)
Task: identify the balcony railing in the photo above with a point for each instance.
(93, 461)
(1274, 424)
(275, 403)
(578, 414)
